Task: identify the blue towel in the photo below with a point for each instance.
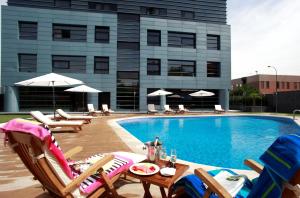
(194, 187)
(282, 161)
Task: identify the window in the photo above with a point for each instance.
(187, 14)
(153, 66)
(262, 84)
(62, 3)
(295, 85)
(282, 85)
(267, 84)
(153, 38)
(27, 62)
(154, 11)
(27, 30)
(181, 68)
(213, 42)
(180, 39)
(213, 69)
(277, 85)
(101, 34)
(102, 6)
(63, 32)
(288, 85)
(101, 65)
(68, 64)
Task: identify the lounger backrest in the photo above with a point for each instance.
(180, 107)
(62, 113)
(39, 116)
(167, 107)
(91, 107)
(218, 107)
(151, 107)
(104, 107)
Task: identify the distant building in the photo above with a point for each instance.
(266, 83)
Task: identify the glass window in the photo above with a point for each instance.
(101, 34)
(101, 65)
(153, 38)
(153, 66)
(62, 3)
(282, 85)
(27, 62)
(267, 84)
(213, 42)
(102, 6)
(288, 85)
(181, 39)
(154, 11)
(295, 85)
(28, 30)
(64, 32)
(181, 68)
(277, 85)
(68, 64)
(213, 69)
(187, 14)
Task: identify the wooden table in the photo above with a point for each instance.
(160, 180)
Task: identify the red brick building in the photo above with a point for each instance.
(266, 83)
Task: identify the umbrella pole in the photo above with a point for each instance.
(53, 98)
(83, 103)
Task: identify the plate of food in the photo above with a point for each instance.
(144, 168)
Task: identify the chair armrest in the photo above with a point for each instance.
(254, 165)
(213, 185)
(73, 151)
(90, 171)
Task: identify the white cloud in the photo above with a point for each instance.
(264, 33)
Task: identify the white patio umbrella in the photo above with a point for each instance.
(161, 93)
(83, 89)
(50, 80)
(202, 93)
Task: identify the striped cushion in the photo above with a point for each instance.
(117, 165)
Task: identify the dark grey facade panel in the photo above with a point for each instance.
(211, 11)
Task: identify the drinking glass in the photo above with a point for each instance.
(163, 153)
(173, 157)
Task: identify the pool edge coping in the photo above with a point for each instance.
(137, 146)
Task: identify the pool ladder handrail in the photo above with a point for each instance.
(294, 112)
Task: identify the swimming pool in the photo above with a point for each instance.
(223, 141)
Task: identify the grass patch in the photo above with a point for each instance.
(5, 118)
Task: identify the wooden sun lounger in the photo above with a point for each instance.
(93, 111)
(66, 116)
(39, 116)
(151, 109)
(106, 110)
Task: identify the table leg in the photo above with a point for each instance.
(163, 193)
(147, 190)
(170, 192)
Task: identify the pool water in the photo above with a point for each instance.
(223, 141)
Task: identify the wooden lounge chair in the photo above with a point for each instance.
(182, 109)
(39, 116)
(168, 109)
(46, 166)
(93, 111)
(66, 116)
(218, 109)
(106, 110)
(151, 109)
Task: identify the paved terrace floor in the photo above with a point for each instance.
(97, 137)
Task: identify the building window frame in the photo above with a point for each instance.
(181, 67)
(154, 63)
(185, 14)
(28, 33)
(25, 66)
(213, 69)
(101, 61)
(213, 42)
(69, 32)
(153, 37)
(62, 3)
(102, 34)
(182, 39)
(68, 64)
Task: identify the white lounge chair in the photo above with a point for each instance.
(92, 110)
(67, 116)
(219, 109)
(39, 116)
(182, 109)
(168, 109)
(151, 109)
(106, 110)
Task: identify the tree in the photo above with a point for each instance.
(246, 93)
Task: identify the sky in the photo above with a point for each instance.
(263, 32)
